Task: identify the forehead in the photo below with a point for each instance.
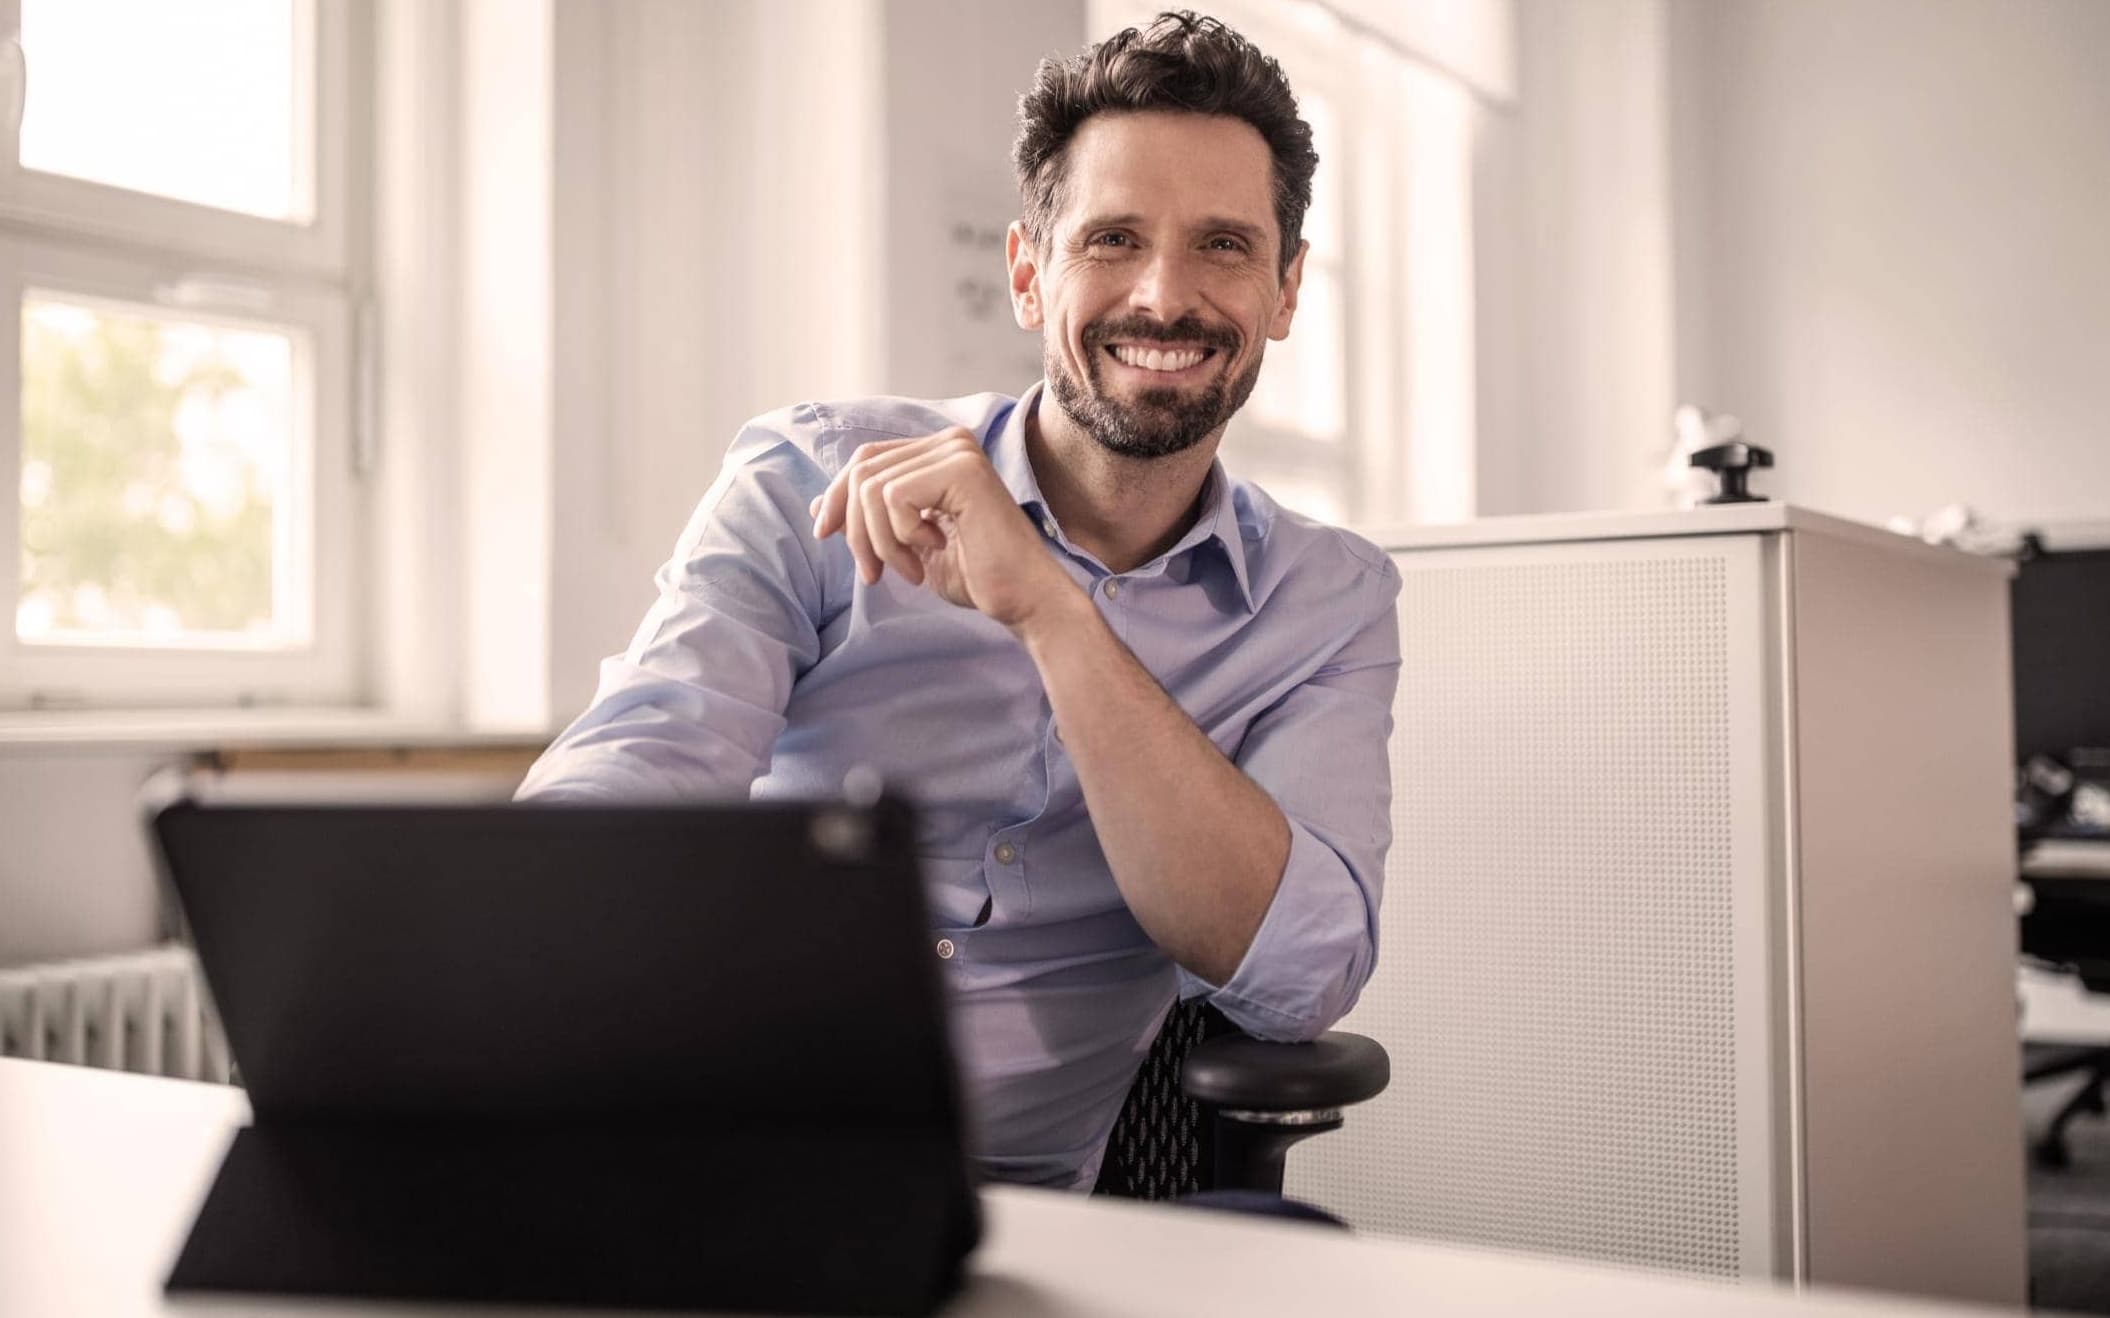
(1167, 165)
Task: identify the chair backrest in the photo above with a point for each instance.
(1162, 1145)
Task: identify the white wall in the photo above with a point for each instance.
(1573, 263)
(1891, 220)
(76, 878)
(716, 213)
(507, 385)
(759, 202)
(1871, 228)
(953, 77)
(417, 478)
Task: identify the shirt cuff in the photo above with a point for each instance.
(1311, 954)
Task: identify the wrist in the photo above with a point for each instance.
(1057, 613)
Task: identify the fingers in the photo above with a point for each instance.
(889, 522)
(831, 508)
(883, 499)
(854, 498)
(874, 525)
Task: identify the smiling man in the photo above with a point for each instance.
(1143, 708)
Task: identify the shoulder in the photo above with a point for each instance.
(828, 433)
(1289, 551)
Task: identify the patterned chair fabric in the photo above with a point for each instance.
(1161, 1147)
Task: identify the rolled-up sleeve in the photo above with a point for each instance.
(1322, 753)
(693, 707)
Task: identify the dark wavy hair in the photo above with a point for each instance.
(1182, 61)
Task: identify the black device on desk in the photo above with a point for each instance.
(2060, 620)
(673, 1057)
(2061, 636)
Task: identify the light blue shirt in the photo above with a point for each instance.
(766, 667)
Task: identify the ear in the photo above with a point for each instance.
(1278, 328)
(1025, 277)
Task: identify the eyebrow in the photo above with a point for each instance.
(1211, 224)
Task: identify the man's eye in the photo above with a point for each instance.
(1110, 240)
(1226, 243)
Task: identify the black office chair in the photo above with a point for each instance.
(2065, 924)
(2067, 927)
(1213, 1109)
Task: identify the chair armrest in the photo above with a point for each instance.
(1330, 1072)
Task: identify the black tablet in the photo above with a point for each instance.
(656, 1055)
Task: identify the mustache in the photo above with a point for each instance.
(1188, 330)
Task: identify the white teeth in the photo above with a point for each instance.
(1154, 359)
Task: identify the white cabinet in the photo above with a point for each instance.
(1697, 946)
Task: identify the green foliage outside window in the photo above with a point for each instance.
(117, 535)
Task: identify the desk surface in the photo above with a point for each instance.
(100, 1173)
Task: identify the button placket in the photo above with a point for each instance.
(1008, 872)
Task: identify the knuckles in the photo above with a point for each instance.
(865, 477)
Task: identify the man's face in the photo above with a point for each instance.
(1160, 289)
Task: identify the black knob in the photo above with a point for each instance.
(1733, 463)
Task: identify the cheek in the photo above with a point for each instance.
(1089, 289)
(1250, 302)
(1079, 315)
(1254, 321)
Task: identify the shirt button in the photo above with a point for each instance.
(1113, 589)
(1057, 730)
(945, 949)
(1005, 853)
(1047, 525)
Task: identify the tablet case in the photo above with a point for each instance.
(633, 1056)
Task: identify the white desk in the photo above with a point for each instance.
(100, 1173)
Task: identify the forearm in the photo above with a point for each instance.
(651, 737)
(1196, 847)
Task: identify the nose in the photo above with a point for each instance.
(1166, 287)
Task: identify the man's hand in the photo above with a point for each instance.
(935, 511)
(1199, 879)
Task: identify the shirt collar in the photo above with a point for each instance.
(1218, 520)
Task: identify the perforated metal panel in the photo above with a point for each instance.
(1574, 975)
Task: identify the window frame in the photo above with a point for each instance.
(320, 245)
(186, 260)
(319, 671)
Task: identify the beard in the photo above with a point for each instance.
(1158, 422)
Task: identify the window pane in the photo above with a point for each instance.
(1322, 219)
(1314, 497)
(156, 484)
(1302, 387)
(201, 100)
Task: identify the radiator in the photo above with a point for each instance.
(142, 1011)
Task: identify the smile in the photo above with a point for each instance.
(1165, 361)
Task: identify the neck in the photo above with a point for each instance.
(1123, 511)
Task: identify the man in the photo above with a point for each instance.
(1143, 708)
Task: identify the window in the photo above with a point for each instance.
(1365, 413)
(177, 355)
